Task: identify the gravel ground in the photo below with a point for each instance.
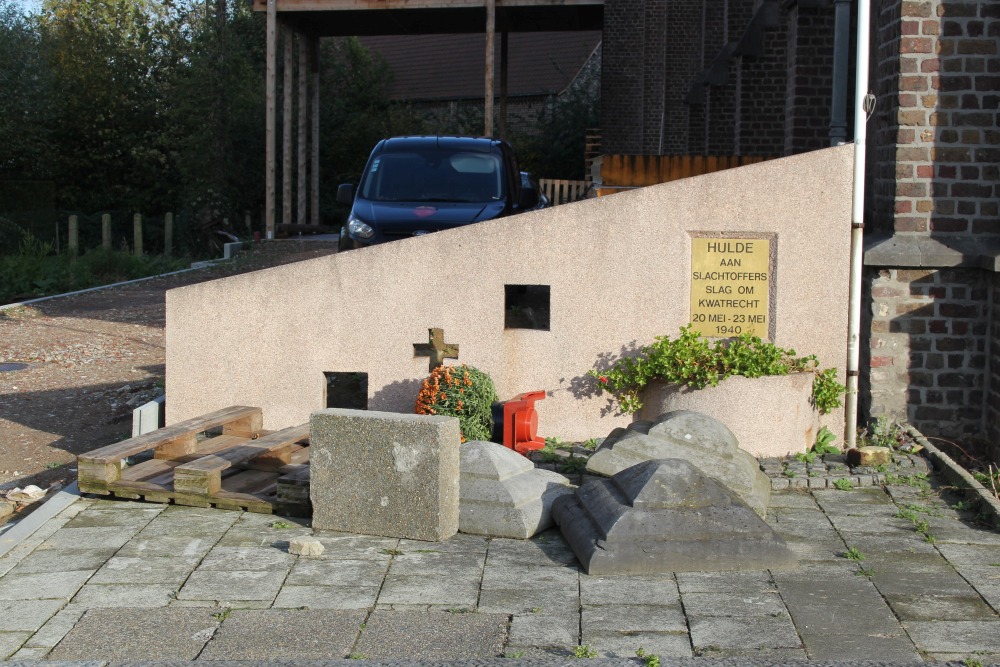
(91, 358)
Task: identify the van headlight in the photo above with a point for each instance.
(358, 228)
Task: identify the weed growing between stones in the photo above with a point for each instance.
(584, 651)
(843, 484)
(853, 554)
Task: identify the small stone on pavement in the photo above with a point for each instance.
(305, 546)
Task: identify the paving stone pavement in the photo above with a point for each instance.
(127, 581)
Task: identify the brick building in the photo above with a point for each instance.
(754, 77)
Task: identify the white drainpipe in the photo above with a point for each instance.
(861, 109)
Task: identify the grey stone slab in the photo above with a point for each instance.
(429, 562)
(991, 594)
(105, 517)
(931, 580)
(836, 645)
(169, 633)
(382, 473)
(957, 532)
(63, 560)
(232, 586)
(439, 589)
(973, 557)
(62, 585)
(548, 548)
(754, 581)
(770, 655)
(876, 525)
(632, 618)
(849, 604)
(286, 634)
(342, 546)
(832, 500)
(345, 573)
(742, 633)
(153, 570)
(545, 630)
(509, 577)
(734, 604)
(456, 544)
(246, 559)
(56, 628)
(126, 595)
(823, 549)
(30, 653)
(792, 499)
(174, 544)
(626, 645)
(635, 589)
(433, 636)
(27, 615)
(983, 657)
(920, 607)
(326, 597)
(955, 636)
(902, 542)
(537, 600)
(90, 538)
(11, 642)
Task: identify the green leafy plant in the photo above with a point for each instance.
(693, 361)
(824, 442)
(460, 391)
(865, 572)
(883, 432)
(584, 651)
(280, 525)
(514, 654)
(853, 554)
(392, 552)
(843, 484)
(972, 662)
(222, 615)
(357, 656)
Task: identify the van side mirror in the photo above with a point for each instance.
(528, 199)
(345, 194)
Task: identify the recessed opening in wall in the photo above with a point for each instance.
(526, 307)
(346, 390)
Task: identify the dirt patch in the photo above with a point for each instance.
(79, 365)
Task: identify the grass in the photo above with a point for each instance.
(843, 484)
(584, 651)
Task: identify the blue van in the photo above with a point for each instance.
(418, 185)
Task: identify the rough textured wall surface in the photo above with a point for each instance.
(934, 152)
(619, 273)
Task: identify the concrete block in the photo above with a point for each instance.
(148, 417)
(305, 546)
(702, 441)
(382, 473)
(666, 516)
(503, 494)
(869, 456)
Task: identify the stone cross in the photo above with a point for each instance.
(436, 349)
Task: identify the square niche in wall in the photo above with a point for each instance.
(346, 390)
(526, 307)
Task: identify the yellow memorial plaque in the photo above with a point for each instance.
(730, 286)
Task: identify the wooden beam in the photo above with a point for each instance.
(270, 85)
(314, 138)
(491, 26)
(286, 130)
(302, 132)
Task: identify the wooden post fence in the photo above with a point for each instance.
(168, 234)
(137, 234)
(106, 231)
(73, 242)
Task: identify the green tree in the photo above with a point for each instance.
(25, 114)
(107, 60)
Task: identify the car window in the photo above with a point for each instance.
(434, 176)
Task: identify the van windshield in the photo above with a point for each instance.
(434, 176)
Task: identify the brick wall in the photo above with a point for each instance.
(934, 151)
(929, 346)
(622, 97)
(762, 86)
(810, 79)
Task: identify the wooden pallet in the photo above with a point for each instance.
(223, 459)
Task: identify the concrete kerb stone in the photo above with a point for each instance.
(959, 477)
(31, 523)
